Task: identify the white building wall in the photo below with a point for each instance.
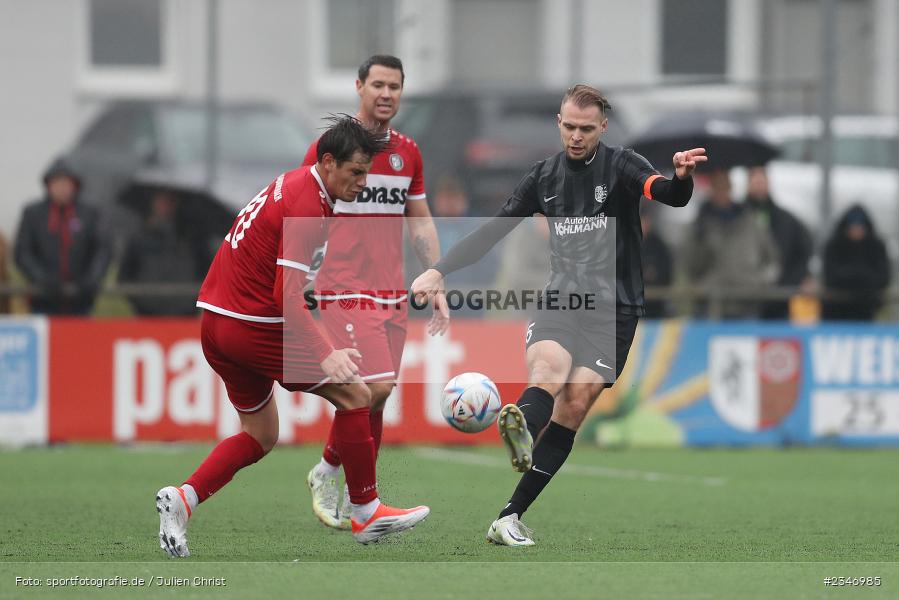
(885, 70)
(37, 111)
(620, 42)
(262, 50)
(272, 50)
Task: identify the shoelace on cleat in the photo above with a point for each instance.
(523, 530)
(331, 493)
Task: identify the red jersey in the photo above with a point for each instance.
(368, 255)
(246, 278)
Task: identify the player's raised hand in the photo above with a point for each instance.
(427, 285)
(440, 319)
(339, 365)
(685, 162)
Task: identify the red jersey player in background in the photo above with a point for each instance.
(361, 282)
(256, 328)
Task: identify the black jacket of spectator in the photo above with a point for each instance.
(60, 248)
(855, 265)
(657, 271)
(159, 253)
(794, 244)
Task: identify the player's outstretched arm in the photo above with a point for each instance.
(678, 190)
(301, 327)
(428, 285)
(685, 162)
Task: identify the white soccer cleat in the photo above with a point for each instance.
(388, 520)
(345, 512)
(509, 531)
(325, 494)
(514, 431)
(174, 512)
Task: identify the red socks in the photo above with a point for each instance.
(226, 459)
(376, 418)
(351, 437)
(330, 454)
(351, 431)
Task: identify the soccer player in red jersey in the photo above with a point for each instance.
(361, 282)
(256, 329)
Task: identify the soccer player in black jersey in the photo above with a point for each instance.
(571, 357)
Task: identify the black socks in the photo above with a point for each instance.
(537, 406)
(549, 456)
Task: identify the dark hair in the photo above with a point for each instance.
(385, 60)
(345, 136)
(583, 96)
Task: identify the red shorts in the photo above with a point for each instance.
(379, 337)
(250, 358)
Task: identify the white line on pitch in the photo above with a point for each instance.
(473, 458)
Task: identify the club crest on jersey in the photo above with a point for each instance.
(396, 161)
(600, 193)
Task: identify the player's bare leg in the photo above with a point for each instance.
(519, 424)
(370, 519)
(175, 505)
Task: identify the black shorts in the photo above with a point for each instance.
(596, 341)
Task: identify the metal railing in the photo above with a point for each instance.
(682, 299)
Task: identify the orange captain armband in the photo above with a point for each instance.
(646, 186)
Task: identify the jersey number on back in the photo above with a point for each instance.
(245, 219)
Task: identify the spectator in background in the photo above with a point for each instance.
(161, 253)
(454, 221)
(794, 244)
(855, 263)
(726, 249)
(60, 248)
(657, 264)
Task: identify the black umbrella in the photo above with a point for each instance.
(197, 209)
(729, 141)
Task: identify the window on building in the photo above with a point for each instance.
(357, 29)
(126, 33)
(694, 37)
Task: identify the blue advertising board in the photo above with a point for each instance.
(703, 383)
(23, 381)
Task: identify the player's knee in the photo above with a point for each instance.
(351, 396)
(268, 441)
(548, 374)
(266, 436)
(379, 393)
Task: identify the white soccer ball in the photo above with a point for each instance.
(470, 402)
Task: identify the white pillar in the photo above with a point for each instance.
(885, 70)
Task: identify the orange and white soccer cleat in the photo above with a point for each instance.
(388, 520)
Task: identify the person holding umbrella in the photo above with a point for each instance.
(727, 249)
(163, 251)
(794, 243)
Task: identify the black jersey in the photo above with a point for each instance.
(578, 198)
